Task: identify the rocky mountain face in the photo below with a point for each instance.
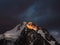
(27, 34)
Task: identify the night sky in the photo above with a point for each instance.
(45, 13)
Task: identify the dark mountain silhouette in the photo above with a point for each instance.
(27, 34)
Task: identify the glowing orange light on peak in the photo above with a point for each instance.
(30, 25)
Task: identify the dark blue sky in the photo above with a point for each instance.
(44, 13)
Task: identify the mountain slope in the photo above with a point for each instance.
(28, 33)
